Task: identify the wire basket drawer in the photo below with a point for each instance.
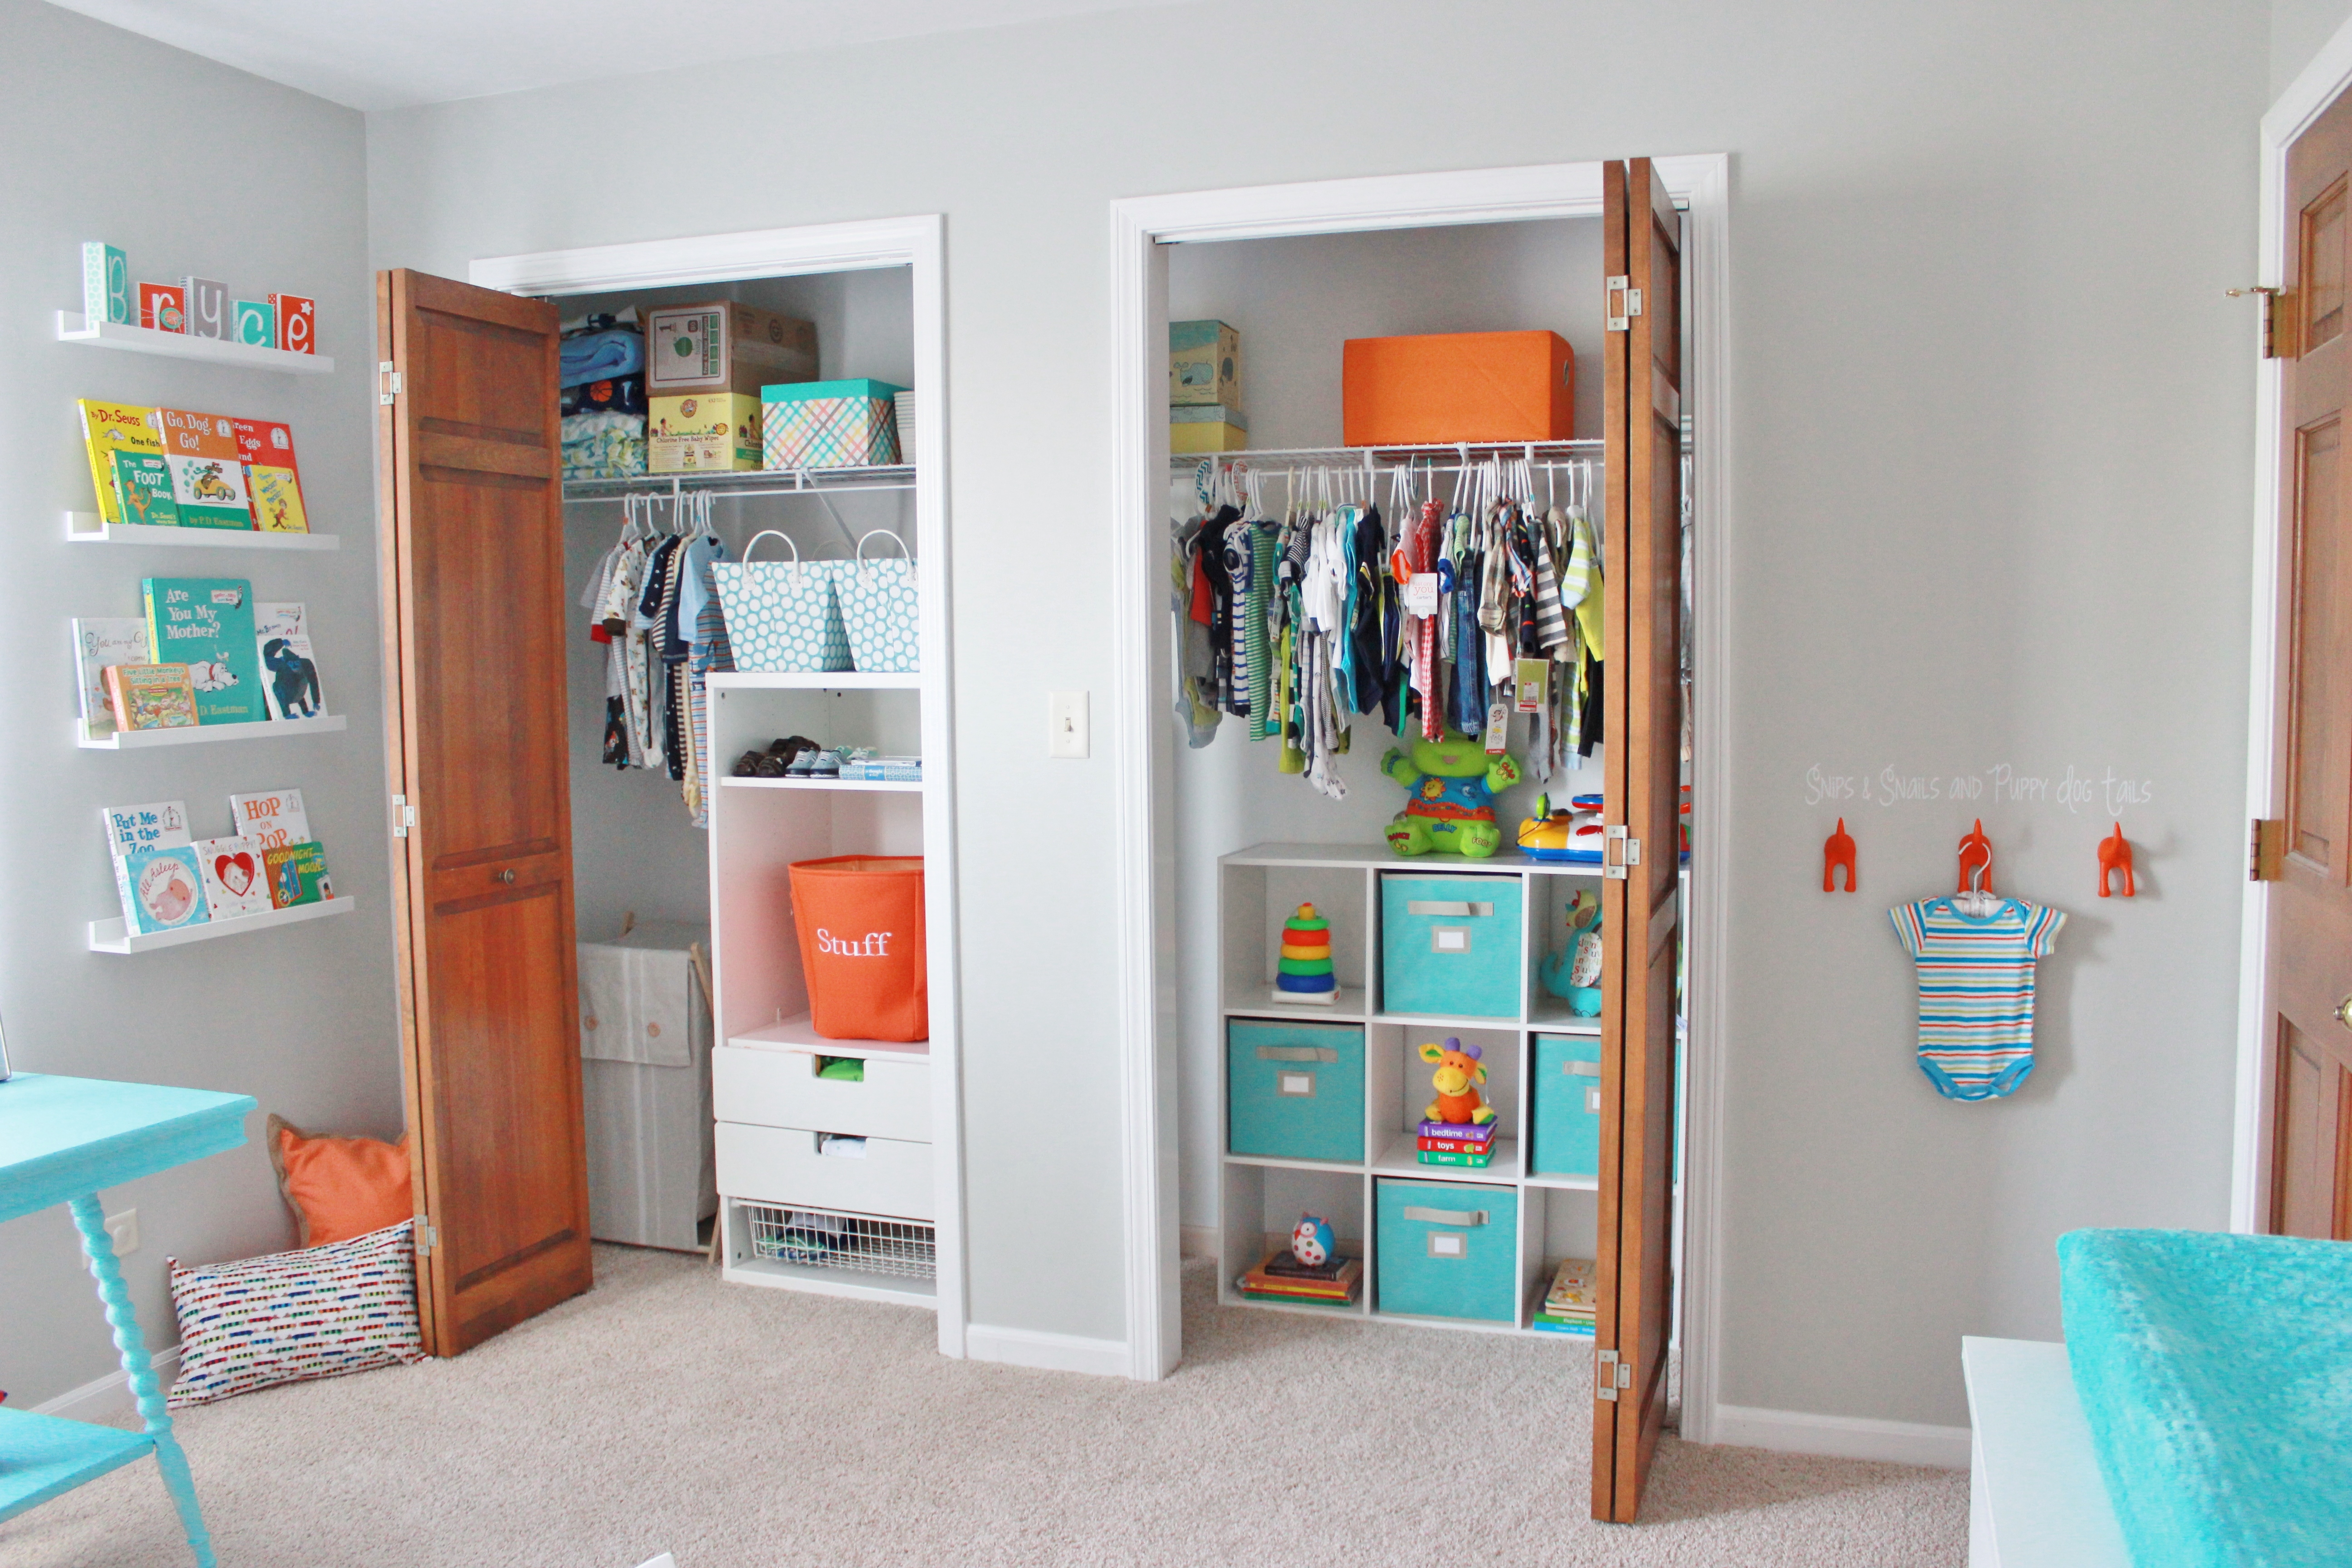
(820, 1239)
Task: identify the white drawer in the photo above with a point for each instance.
(781, 1165)
(781, 1089)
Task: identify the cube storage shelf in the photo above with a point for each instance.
(1347, 1076)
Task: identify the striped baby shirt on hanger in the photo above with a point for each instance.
(1976, 991)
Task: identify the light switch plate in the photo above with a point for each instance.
(1066, 719)
(124, 1229)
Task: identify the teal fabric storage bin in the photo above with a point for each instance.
(1567, 1098)
(1450, 945)
(1448, 1249)
(1295, 1091)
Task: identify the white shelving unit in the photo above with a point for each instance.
(1257, 889)
(197, 734)
(91, 527)
(73, 329)
(115, 936)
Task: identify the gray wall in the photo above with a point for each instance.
(1992, 416)
(188, 167)
(2298, 30)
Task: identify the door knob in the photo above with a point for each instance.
(2344, 1012)
(507, 876)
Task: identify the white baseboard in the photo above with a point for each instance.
(103, 1398)
(1053, 1352)
(1843, 1436)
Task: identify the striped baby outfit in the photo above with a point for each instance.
(1976, 991)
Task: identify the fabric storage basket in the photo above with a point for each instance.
(879, 603)
(1295, 1091)
(1447, 1249)
(1567, 1106)
(644, 1043)
(781, 615)
(829, 424)
(859, 920)
(1450, 945)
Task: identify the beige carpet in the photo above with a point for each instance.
(734, 1427)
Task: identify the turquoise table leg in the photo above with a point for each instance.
(90, 1220)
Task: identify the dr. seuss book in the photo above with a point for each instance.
(160, 824)
(272, 478)
(298, 875)
(143, 491)
(207, 469)
(274, 816)
(289, 675)
(206, 623)
(150, 696)
(107, 428)
(100, 643)
(237, 879)
(162, 888)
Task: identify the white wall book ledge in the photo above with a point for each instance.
(115, 936)
(91, 528)
(73, 328)
(190, 734)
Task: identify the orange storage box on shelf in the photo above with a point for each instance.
(860, 922)
(1459, 386)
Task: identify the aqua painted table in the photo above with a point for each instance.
(62, 1140)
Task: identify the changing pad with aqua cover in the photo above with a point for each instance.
(2215, 1373)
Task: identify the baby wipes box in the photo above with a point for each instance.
(703, 432)
(725, 347)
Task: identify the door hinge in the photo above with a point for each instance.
(2278, 320)
(1610, 1374)
(404, 816)
(391, 384)
(1618, 851)
(427, 1239)
(2266, 850)
(1624, 304)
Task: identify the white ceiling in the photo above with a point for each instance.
(389, 54)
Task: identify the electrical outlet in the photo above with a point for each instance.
(124, 1229)
(1066, 716)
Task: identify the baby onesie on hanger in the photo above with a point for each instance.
(1976, 991)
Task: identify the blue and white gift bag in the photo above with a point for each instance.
(879, 606)
(781, 615)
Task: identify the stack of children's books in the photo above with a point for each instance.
(1282, 1277)
(204, 653)
(167, 879)
(1567, 1308)
(1457, 1144)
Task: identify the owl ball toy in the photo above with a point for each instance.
(1312, 1241)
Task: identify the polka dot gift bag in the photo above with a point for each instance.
(878, 602)
(781, 615)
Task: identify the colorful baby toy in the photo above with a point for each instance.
(1450, 786)
(1312, 1241)
(1573, 974)
(1456, 1079)
(1571, 833)
(1305, 966)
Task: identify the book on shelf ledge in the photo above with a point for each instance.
(159, 825)
(206, 623)
(297, 874)
(161, 889)
(1464, 1144)
(1572, 1302)
(1282, 1277)
(150, 696)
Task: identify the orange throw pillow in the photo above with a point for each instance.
(339, 1188)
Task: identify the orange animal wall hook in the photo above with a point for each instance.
(2115, 855)
(1976, 854)
(1837, 850)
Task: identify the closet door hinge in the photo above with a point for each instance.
(427, 1239)
(1624, 303)
(1610, 1374)
(2278, 320)
(392, 385)
(1618, 851)
(404, 816)
(2266, 850)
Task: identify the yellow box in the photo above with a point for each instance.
(703, 431)
(1210, 429)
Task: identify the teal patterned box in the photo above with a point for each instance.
(829, 424)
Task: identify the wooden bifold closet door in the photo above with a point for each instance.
(1641, 355)
(473, 614)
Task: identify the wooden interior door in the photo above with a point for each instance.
(2310, 955)
(1641, 732)
(473, 616)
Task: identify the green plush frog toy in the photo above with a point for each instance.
(1450, 785)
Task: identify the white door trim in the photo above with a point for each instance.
(917, 243)
(1140, 743)
(2321, 81)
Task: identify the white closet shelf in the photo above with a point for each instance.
(1553, 1016)
(115, 935)
(800, 1034)
(1562, 1183)
(745, 482)
(1371, 456)
(1402, 1158)
(91, 528)
(1348, 1007)
(1428, 1021)
(897, 787)
(73, 329)
(1338, 856)
(815, 680)
(260, 730)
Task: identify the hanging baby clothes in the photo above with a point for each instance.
(1976, 991)
(1194, 604)
(708, 650)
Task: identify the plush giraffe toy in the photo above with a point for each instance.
(1456, 1079)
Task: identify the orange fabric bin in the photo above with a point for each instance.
(1459, 386)
(860, 922)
